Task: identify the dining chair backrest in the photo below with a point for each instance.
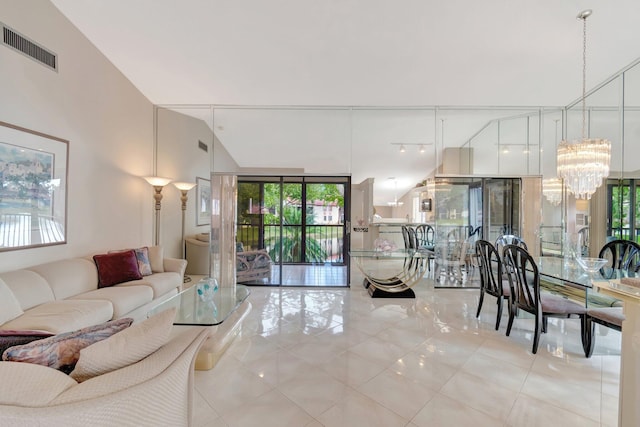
(426, 236)
(454, 251)
(413, 238)
(469, 230)
(490, 268)
(455, 235)
(405, 236)
(477, 232)
(584, 241)
(508, 239)
(622, 254)
(524, 279)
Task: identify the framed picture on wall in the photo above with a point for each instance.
(425, 205)
(33, 196)
(203, 201)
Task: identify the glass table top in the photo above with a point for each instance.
(197, 310)
(398, 253)
(568, 270)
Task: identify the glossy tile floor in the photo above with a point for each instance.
(335, 357)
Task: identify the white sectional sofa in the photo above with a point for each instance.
(63, 296)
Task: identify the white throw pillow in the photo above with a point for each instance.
(9, 305)
(124, 348)
(156, 258)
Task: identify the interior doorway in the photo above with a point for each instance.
(501, 207)
(296, 227)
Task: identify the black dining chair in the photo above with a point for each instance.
(622, 254)
(524, 279)
(426, 241)
(611, 317)
(492, 281)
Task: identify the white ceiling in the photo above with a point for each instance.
(353, 53)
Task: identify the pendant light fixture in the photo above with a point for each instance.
(584, 164)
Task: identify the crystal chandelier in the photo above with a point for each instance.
(552, 190)
(584, 164)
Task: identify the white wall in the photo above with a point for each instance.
(109, 125)
(181, 159)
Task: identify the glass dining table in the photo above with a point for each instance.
(565, 277)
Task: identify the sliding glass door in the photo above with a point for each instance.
(300, 222)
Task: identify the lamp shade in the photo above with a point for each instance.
(157, 181)
(184, 186)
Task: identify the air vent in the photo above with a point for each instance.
(28, 47)
(203, 146)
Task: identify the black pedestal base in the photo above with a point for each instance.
(380, 293)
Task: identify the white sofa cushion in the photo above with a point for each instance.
(138, 373)
(124, 348)
(9, 305)
(29, 288)
(69, 277)
(124, 300)
(161, 283)
(31, 385)
(156, 258)
(63, 316)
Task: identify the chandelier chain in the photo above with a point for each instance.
(584, 77)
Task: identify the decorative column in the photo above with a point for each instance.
(224, 189)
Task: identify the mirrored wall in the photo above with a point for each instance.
(393, 153)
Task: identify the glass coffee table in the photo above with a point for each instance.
(194, 310)
(222, 313)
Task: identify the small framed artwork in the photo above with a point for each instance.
(33, 195)
(425, 205)
(203, 201)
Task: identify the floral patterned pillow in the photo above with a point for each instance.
(144, 265)
(63, 350)
(10, 338)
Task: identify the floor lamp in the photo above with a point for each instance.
(158, 183)
(184, 188)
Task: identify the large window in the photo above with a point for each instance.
(623, 221)
(295, 220)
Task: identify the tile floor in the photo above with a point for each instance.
(335, 357)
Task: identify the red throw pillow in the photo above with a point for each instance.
(117, 267)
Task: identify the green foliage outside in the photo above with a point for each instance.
(291, 241)
(621, 212)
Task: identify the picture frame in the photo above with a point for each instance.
(33, 195)
(203, 201)
(425, 205)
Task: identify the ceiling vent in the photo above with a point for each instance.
(33, 50)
